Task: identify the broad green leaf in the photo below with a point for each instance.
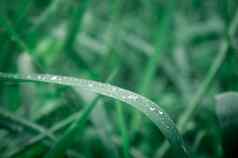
(154, 112)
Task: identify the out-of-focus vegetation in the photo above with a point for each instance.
(180, 54)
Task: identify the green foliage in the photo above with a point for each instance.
(180, 54)
(149, 108)
(227, 110)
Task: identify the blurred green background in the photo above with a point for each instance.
(179, 54)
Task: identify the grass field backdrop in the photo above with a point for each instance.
(118, 78)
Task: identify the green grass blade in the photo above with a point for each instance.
(22, 122)
(201, 134)
(123, 130)
(6, 25)
(154, 112)
(23, 10)
(42, 136)
(161, 42)
(74, 130)
(104, 129)
(67, 139)
(151, 67)
(47, 14)
(75, 24)
(14, 36)
(227, 112)
(74, 28)
(189, 112)
(60, 124)
(25, 123)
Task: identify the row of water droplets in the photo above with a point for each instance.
(8, 76)
(124, 95)
(108, 89)
(105, 89)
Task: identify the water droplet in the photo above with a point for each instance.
(113, 89)
(53, 78)
(161, 113)
(75, 79)
(133, 97)
(28, 76)
(152, 108)
(123, 97)
(43, 78)
(90, 85)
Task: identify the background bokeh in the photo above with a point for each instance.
(176, 53)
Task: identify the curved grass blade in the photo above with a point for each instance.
(155, 113)
(76, 117)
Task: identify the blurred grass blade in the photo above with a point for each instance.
(75, 129)
(23, 10)
(10, 30)
(193, 105)
(188, 113)
(75, 23)
(47, 14)
(227, 108)
(227, 113)
(155, 113)
(123, 129)
(25, 123)
(234, 25)
(74, 28)
(104, 129)
(69, 136)
(58, 126)
(201, 134)
(161, 42)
